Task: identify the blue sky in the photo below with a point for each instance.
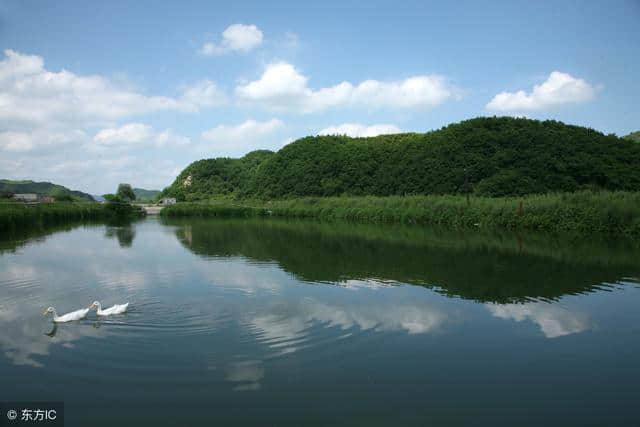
(97, 93)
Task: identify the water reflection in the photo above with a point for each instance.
(314, 314)
(552, 319)
(485, 268)
(246, 375)
(286, 327)
(27, 338)
(124, 233)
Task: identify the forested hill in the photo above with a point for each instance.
(43, 188)
(496, 156)
(220, 176)
(145, 195)
(633, 136)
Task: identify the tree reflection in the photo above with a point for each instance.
(124, 233)
(501, 268)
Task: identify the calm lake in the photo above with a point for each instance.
(273, 322)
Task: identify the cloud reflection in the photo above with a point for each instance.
(247, 374)
(286, 328)
(553, 320)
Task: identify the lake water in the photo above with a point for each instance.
(265, 322)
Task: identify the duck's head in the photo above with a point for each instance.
(94, 304)
(49, 311)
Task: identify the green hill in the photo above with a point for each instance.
(216, 177)
(493, 156)
(633, 136)
(145, 195)
(43, 188)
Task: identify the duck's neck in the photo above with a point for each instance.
(55, 313)
(99, 309)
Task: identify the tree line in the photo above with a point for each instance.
(487, 156)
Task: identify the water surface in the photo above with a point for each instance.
(270, 322)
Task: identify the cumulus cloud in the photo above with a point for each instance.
(283, 88)
(204, 93)
(235, 38)
(558, 89)
(249, 129)
(360, 130)
(553, 320)
(137, 134)
(65, 127)
(29, 141)
(30, 94)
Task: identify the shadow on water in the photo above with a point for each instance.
(498, 267)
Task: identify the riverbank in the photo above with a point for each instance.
(583, 212)
(19, 215)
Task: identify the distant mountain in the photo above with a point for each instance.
(43, 188)
(142, 194)
(97, 198)
(633, 136)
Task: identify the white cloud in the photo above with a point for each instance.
(360, 130)
(283, 88)
(28, 141)
(559, 88)
(235, 38)
(553, 320)
(32, 95)
(131, 133)
(204, 93)
(248, 130)
(138, 134)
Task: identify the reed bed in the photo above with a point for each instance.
(606, 212)
(19, 215)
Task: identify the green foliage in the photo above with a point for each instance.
(61, 196)
(119, 207)
(145, 195)
(633, 136)
(43, 188)
(125, 192)
(217, 177)
(580, 212)
(493, 156)
(20, 216)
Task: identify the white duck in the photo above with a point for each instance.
(74, 315)
(116, 309)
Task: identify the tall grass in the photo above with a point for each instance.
(18, 215)
(607, 212)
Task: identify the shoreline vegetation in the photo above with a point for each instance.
(18, 215)
(487, 172)
(613, 212)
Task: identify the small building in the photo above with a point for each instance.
(26, 197)
(167, 201)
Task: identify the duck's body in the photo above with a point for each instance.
(115, 309)
(68, 317)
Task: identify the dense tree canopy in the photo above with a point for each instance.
(487, 156)
(633, 136)
(219, 176)
(125, 192)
